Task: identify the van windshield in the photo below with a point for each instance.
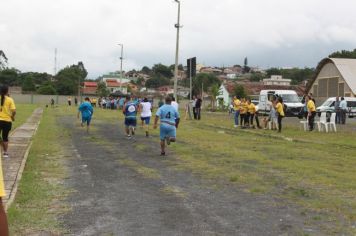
(327, 103)
(290, 98)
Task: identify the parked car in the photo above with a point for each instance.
(329, 106)
(290, 99)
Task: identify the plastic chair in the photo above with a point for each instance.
(322, 122)
(304, 123)
(332, 123)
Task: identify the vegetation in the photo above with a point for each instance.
(344, 54)
(239, 91)
(3, 60)
(297, 75)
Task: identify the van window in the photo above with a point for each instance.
(351, 104)
(290, 98)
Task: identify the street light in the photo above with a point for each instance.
(178, 26)
(121, 58)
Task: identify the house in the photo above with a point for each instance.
(277, 80)
(211, 70)
(165, 90)
(114, 85)
(334, 77)
(225, 95)
(183, 91)
(89, 88)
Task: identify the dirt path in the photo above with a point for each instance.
(123, 187)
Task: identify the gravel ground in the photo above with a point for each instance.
(123, 187)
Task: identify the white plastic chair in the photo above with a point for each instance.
(322, 122)
(332, 123)
(304, 123)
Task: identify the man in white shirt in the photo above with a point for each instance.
(146, 113)
(175, 104)
(343, 110)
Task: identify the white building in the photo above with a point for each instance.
(223, 97)
(277, 80)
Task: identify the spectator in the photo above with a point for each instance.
(337, 110)
(237, 107)
(69, 100)
(243, 112)
(343, 110)
(175, 104)
(160, 103)
(198, 105)
(280, 112)
(52, 102)
(194, 101)
(251, 111)
(76, 101)
(311, 112)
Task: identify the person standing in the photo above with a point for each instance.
(76, 101)
(194, 101)
(198, 105)
(52, 102)
(69, 100)
(7, 116)
(146, 113)
(243, 113)
(130, 112)
(175, 104)
(169, 117)
(251, 111)
(337, 110)
(86, 109)
(311, 112)
(280, 113)
(236, 107)
(343, 110)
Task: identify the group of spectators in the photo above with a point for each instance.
(246, 113)
(341, 110)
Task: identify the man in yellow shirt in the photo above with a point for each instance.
(311, 112)
(280, 112)
(237, 105)
(243, 112)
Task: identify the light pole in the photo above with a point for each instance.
(178, 26)
(121, 58)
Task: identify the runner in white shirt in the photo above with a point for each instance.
(175, 104)
(146, 113)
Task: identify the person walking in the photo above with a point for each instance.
(169, 118)
(146, 113)
(343, 110)
(7, 116)
(311, 112)
(4, 229)
(280, 113)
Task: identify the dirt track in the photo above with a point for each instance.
(123, 187)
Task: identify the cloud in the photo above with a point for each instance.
(300, 32)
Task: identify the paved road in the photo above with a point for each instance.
(123, 187)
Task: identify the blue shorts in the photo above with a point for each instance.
(86, 119)
(130, 122)
(167, 130)
(146, 120)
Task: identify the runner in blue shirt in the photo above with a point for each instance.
(87, 112)
(130, 112)
(169, 117)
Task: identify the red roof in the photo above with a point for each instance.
(89, 90)
(90, 84)
(112, 84)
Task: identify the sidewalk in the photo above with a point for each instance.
(19, 147)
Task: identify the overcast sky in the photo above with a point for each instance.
(278, 33)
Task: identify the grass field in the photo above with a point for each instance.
(23, 111)
(315, 171)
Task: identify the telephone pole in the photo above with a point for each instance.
(178, 26)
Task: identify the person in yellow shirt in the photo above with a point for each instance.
(311, 112)
(7, 116)
(251, 111)
(280, 112)
(243, 112)
(236, 106)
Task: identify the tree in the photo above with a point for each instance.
(246, 68)
(102, 91)
(69, 79)
(28, 85)
(343, 54)
(239, 91)
(140, 81)
(205, 80)
(146, 70)
(214, 92)
(157, 82)
(162, 70)
(10, 77)
(3, 60)
(47, 89)
(256, 77)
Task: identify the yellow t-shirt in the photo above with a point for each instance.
(6, 109)
(244, 107)
(2, 185)
(251, 108)
(311, 106)
(237, 104)
(279, 108)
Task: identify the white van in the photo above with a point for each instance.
(329, 106)
(290, 99)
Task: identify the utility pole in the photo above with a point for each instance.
(55, 61)
(121, 58)
(178, 26)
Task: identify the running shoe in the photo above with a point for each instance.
(128, 136)
(5, 155)
(163, 153)
(168, 140)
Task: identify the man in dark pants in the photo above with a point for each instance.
(311, 112)
(337, 111)
(198, 104)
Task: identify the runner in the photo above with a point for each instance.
(7, 116)
(169, 117)
(3, 220)
(146, 113)
(130, 112)
(87, 112)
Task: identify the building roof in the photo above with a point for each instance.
(346, 67)
(112, 84)
(90, 84)
(89, 90)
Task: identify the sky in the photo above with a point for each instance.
(273, 33)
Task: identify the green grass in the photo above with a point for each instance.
(41, 192)
(23, 112)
